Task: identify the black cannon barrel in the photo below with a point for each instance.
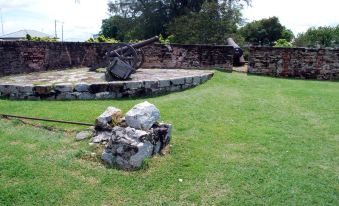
(237, 50)
(146, 42)
(135, 46)
(238, 59)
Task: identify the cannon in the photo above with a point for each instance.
(124, 59)
(238, 58)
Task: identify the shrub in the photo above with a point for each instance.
(282, 43)
(101, 38)
(167, 40)
(44, 39)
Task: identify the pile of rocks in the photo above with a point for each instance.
(131, 138)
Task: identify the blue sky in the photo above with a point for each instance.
(83, 20)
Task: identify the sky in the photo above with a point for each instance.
(297, 15)
(82, 18)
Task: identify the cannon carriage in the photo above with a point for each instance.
(124, 59)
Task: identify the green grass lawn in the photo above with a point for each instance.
(237, 140)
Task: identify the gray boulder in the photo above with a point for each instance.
(83, 135)
(111, 116)
(145, 150)
(142, 116)
(101, 136)
(107, 157)
(127, 148)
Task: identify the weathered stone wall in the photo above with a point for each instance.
(23, 57)
(102, 90)
(188, 56)
(305, 63)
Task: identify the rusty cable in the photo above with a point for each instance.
(46, 120)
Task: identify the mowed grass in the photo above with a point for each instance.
(237, 140)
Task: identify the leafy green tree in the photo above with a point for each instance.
(118, 27)
(213, 24)
(28, 37)
(171, 8)
(287, 34)
(141, 19)
(319, 37)
(265, 32)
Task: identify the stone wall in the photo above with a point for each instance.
(304, 63)
(188, 56)
(23, 56)
(102, 90)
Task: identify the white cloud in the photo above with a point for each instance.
(80, 20)
(84, 19)
(297, 15)
(13, 4)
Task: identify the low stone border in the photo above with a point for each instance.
(101, 90)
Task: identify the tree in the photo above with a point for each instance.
(172, 8)
(117, 27)
(214, 23)
(265, 32)
(287, 34)
(151, 17)
(319, 37)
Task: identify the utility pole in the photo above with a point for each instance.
(2, 23)
(62, 31)
(55, 28)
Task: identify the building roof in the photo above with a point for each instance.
(22, 34)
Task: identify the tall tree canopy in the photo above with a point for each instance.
(140, 19)
(214, 23)
(319, 37)
(265, 32)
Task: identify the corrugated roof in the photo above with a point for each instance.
(23, 33)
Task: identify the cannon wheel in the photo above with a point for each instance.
(126, 53)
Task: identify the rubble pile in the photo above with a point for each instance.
(131, 138)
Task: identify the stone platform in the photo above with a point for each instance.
(83, 84)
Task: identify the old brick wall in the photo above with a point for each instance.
(188, 56)
(305, 63)
(23, 56)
